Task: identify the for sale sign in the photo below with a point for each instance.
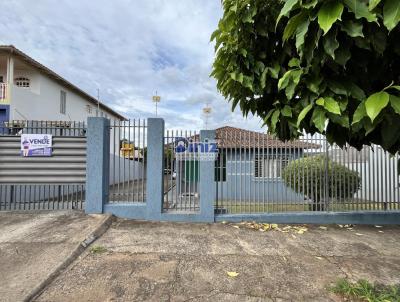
(36, 145)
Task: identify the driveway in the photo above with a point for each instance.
(34, 245)
(143, 261)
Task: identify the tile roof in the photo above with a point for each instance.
(231, 137)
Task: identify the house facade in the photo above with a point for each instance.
(31, 91)
(248, 168)
(34, 97)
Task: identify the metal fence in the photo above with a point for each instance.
(41, 197)
(38, 183)
(256, 173)
(128, 161)
(55, 128)
(181, 171)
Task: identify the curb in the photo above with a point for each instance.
(100, 229)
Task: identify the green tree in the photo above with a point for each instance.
(315, 66)
(319, 179)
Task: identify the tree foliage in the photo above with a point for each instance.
(317, 176)
(326, 66)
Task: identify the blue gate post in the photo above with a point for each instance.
(207, 181)
(97, 164)
(155, 168)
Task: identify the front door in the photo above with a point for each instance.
(4, 117)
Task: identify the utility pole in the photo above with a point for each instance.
(156, 100)
(98, 102)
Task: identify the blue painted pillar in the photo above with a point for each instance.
(97, 164)
(207, 182)
(155, 168)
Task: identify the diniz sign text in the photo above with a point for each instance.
(186, 149)
(36, 145)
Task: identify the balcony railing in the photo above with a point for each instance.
(3, 91)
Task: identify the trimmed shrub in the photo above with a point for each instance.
(316, 177)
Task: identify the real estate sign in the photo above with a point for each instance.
(187, 150)
(36, 145)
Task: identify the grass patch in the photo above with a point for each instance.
(98, 249)
(362, 290)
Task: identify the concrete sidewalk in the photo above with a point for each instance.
(189, 262)
(34, 245)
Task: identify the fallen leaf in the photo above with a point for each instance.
(232, 274)
(300, 230)
(266, 227)
(319, 258)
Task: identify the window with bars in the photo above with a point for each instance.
(63, 102)
(270, 166)
(220, 167)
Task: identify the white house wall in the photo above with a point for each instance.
(46, 104)
(33, 76)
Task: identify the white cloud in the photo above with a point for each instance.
(128, 49)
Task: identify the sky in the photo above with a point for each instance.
(129, 49)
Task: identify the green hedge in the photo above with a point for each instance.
(308, 176)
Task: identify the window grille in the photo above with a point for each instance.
(22, 82)
(270, 166)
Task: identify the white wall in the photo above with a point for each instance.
(32, 75)
(379, 176)
(42, 101)
(378, 171)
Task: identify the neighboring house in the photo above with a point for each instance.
(249, 166)
(31, 91)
